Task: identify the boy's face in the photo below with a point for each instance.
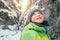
(37, 17)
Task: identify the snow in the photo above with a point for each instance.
(9, 35)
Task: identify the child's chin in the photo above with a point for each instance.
(39, 21)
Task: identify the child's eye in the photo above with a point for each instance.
(34, 13)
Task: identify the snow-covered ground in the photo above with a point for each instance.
(9, 34)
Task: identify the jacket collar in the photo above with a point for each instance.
(32, 26)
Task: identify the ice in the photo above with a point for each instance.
(9, 35)
(13, 27)
(12, 34)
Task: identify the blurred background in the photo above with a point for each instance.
(14, 16)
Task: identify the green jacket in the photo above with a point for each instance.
(34, 32)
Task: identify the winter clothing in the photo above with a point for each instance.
(34, 32)
(45, 24)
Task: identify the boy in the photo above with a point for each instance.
(36, 29)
